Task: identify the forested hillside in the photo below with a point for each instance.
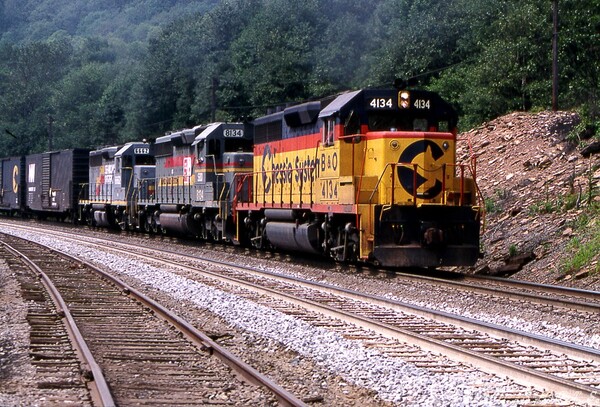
(88, 73)
(126, 20)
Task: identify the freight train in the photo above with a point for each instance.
(364, 176)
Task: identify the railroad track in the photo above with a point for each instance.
(118, 347)
(555, 296)
(569, 371)
(572, 372)
(550, 295)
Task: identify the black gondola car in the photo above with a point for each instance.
(12, 190)
(53, 181)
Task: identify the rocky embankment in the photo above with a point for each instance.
(536, 183)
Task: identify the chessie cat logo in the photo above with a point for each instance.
(15, 179)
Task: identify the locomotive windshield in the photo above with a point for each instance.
(145, 160)
(393, 121)
(238, 144)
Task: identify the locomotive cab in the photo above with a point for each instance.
(134, 166)
(133, 180)
(175, 161)
(223, 151)
(416, 205)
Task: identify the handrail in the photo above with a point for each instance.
(144, 185)
(84, 192)
(274, 176)
(311, 179)
(223, 202)
(129, 184)
(104, 194)
(379, 181)
(473, 169)
(280, 175)
(239, 186)
(415, 167)
(362, 174)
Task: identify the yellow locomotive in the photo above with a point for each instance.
(369, 175)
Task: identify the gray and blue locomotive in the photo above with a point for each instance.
(181, 184)
(118, 178)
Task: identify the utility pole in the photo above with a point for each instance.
(555, 55)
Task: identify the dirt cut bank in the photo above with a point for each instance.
(540, 192)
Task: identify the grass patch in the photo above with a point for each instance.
(584, 247)
(543, 207)
(494, 204)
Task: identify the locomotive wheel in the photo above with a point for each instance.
(124, 224)
(214, 233)
(89, 220)
(345, 245)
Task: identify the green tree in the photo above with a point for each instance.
(414, 37)
(30, 74)
(75, 104)
(342, 44)
(272, 58)
(579, 42)
(510, 68)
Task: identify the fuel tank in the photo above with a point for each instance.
(289, 236)
(179, 223)
(102, 219)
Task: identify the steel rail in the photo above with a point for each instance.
(554, 345)
(535, 298)
(197, 337)
(519, 284)
(592, 295)
(500, 292)
(568, 389)
(99, 387)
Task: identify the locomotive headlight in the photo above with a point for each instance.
(394, 145)
(404, 100)
(446, 145)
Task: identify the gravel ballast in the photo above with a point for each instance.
(392, 379)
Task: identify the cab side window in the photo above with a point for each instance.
(420, 125)
(327, 133)
(127, 161)
(214, 148)
(352, 124)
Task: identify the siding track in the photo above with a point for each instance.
(138, 358)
